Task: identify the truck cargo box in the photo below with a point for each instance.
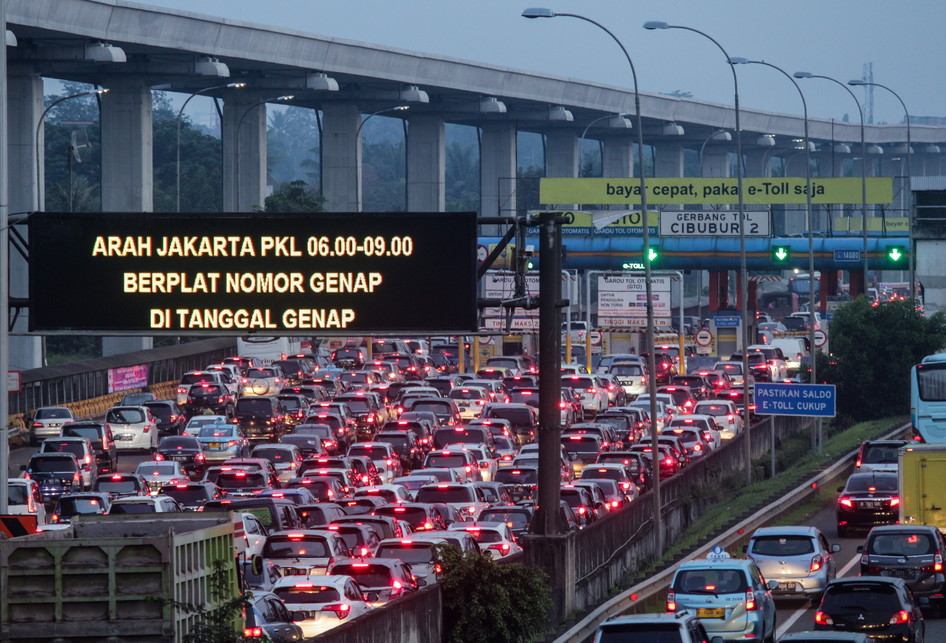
(923, 485)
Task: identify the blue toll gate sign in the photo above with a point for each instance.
(812, 400)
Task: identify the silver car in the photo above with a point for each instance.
(799, 558)
(47, 422)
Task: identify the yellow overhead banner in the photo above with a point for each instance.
(874, 224)
(682, 191)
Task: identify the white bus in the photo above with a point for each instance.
(268, 349)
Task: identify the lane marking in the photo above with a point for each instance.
(797, 614)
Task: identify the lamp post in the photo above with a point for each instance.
(810, 224)
(806, 74)
(39, 127)
(648, 287)
(399, 108)
(912, 266)
(743, 271)
(581, 139)
(180, 114)
(236, 180)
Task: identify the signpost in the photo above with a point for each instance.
(809, 400)
(704, 342)
(847, 255)
(723, 223)
(726, 321)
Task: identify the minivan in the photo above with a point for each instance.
(103, 444)
(261, 417)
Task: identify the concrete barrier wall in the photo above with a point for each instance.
(415, 618)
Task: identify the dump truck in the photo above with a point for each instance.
(111, 578)
(923, 485)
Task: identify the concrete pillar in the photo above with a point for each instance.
(127, 172)
(341, 157)
(243, 130)
(618, 157)
(669, 160)
(24, 107)
(127, 150)
(561, 154)
(715, 162)
(757, 162)
(498, 170)
(426, 164)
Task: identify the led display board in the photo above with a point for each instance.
(242, 273)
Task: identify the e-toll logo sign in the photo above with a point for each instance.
(241, 273)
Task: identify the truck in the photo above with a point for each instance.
(117, 578)
(923, 485)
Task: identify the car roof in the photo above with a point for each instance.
(786, 530)
(902, 528)
(722, 563)
(881, 580)
(335, 581)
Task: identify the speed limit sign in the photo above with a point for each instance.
(821, 337)
(704, 337)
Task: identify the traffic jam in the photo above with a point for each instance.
(345, 471)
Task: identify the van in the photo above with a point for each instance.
(794, 349)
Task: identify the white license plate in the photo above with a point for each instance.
(125, 437)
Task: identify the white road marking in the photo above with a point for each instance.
(797, 614)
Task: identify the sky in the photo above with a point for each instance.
(836, 38)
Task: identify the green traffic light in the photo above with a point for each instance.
(781, 254)
(896, 254)
(652, 254)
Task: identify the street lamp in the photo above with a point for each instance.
(717, 135)
(743, 271)
(912, 266)
(806, 74)
(622, 116)
(39, 127)
(180, 114)
(550, 517)
(810, 222)
(236, 182)
(399, 108)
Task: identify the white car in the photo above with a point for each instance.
(594, 398)
(466, 498)
(494, 538)
(632, 376)
(23, 498)
(325, 601)
(134, 428)
(382, 454)
(47, 422)
(263, 380)
(727, 416)
(254, 533)
(158, 473)
(705, 424)
(287, 458)
(470, 400)
(487, 463)
(300, 552)
(461, 461)
(144, 505)
(194, 425)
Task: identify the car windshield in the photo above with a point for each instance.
(448, 461)
(710, 581)
(217, 432)
(445, 494)
(867, 598)
(178, 443)
(125, 416)
(274, 455)
(628, 370)
(513, 519)
(289, 547)
(186, 494)
(782, 545)
(901, 543)
(366, 574)
(133, 508)
(52, 465)
(241, 480)
(640, 633)
(307, 593)
(260, 406)
(440, 408)
(517, 476)
(92, 432)
(410, 554)
(716, 410)
(117, 486)
(74, 506)
(53, 414)
(260, 374)
(881, 454)
(156, 470)
(868, 483)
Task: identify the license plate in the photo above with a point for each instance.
(54, 425)
(179, 458)
(214, 445)
(870, 504)
(909, 574)
(124, 437)
(710, 612)
(786, 587)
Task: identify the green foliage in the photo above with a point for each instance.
(295, 196)
(486, 602)
(462, 178)
(873, 349)
(217, 625)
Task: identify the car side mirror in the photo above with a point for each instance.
(836, 548)
(296, 616)
(860, 548)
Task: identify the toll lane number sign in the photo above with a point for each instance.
(240, 273)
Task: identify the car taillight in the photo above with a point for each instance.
(471, 509)
(54, 518)
(438, 569)
(158, 457)
(816, 563)
(900, 617)
(615, 504)
(750, 601)
(845, 501)
(671, 601)
(823, 619)
(341, 609)
(253, 632)
(895, 501)
(857, 463)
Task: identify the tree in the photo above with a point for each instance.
(873, 349)
(462, 177)
(295, 196)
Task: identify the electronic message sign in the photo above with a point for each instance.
(242, 273)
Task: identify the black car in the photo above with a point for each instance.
(517, 517)
(866, 500)
(121, 484)
(261, 417)
(296, 369)
(75, 504)
(55, 473)
(103, 444)
(911, 552)
(879, 606)
(209, 396)
(170, 416)
(188, 451)
(192, 495)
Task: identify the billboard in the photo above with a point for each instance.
(243, 273)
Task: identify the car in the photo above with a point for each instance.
(390, 492)
(691, 440)
(81, 447)
(417, 551)
(158, 473)
(241, 483)
(323, 602)
(759, 367)
(209, 396)
(879, 455)
(470, 400)
(866, 500)
(732, 372)
(798, 557)
(484, 456)
(911, 552)
(826, 637)
(25, 499)
(261, 417)
(190, 378)
(169, 416)
(705, 425)
(195, 423)
(523, 419)
(263, 380)
(729, 595)
(274, 514)
(221, 442)
(382, 454)
(726, 415)
(594, 393)
(461, 435)
(187, 451)
(615, 496)
(665, 366)
(134, 428)
(461, 461)
(362, 539)
(74, 504)
(301, 552)
(47, 422)
(637, 465)
(137, 399)
(120, 484)
(464, 497)
(296, 406)
(103, 444)
(582, 449)
(144, 505)
(775, 359)
(287, 458)
(879, 606)
(679, 626)
(192, 495)
(582, 501)
(380, 579)
(295, 369)
(614, 471)
(267, 618)
(56, 473)
(323, 433)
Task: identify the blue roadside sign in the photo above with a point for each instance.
(847, 255)
(726, 321)
(812, 400)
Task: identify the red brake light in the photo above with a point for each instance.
(900, 617)
(750, 601)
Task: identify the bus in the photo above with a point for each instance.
(928, 399)
(269, 349)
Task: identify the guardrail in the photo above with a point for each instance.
(642, 594)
